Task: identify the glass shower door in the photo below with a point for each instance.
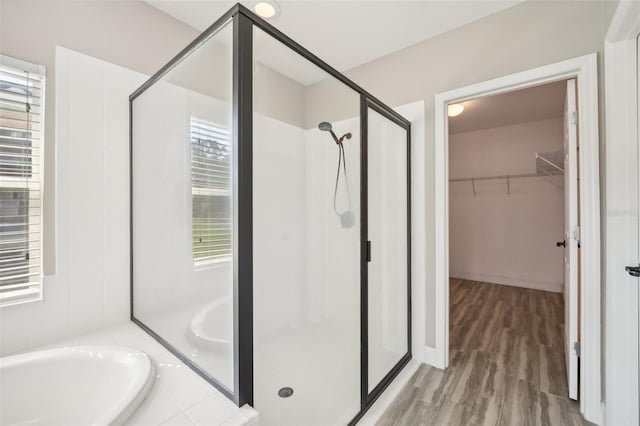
(388, 267)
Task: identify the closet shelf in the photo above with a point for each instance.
(481, 178)
(550, 163)
(547, 164)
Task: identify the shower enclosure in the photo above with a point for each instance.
(270, 224)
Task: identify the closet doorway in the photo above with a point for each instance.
(513, 211)
(515, 292)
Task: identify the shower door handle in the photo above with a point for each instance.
(368, 251)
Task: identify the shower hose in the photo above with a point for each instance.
(341, 161)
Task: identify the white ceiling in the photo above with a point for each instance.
(521, 106)
(346, 33)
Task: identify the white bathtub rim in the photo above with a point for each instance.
(196, 331)
(118, 413)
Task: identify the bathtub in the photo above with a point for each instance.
(84, 385)
(211, 328)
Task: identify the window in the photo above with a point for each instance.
(211, 192)
(21, 128)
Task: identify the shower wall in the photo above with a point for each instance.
(306, 275)
(328, 296)
(294, 183)
(279, 229)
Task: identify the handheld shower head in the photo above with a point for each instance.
(325, 126)
(347, 219)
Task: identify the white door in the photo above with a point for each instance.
(571, 238)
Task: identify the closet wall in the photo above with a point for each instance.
(506, 234)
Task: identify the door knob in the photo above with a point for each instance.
(561, 244)
(634, 271)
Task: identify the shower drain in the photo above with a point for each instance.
(285, 392)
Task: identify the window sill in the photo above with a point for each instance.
(21, 297)
(203, 265)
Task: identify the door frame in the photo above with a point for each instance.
(621, 320)
(585, 70)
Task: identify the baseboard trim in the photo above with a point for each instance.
(433, 357)
(514, 282)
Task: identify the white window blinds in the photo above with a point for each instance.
(211, 191)
(21, 132)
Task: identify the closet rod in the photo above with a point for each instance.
(528, 175)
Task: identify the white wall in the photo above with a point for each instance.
(90, 290)
(500, 238)
(279, 231)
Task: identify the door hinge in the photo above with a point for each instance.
(574, 117)
(576, 233)
(634, 271)
(368, 251)
(576, 348)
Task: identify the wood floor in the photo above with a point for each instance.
(506, 364)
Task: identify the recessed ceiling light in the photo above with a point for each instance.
(455, 109)
(267, 9)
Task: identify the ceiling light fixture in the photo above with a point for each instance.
(454, 110)
(267, 9)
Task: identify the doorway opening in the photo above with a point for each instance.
(585, 328)
(513, 246)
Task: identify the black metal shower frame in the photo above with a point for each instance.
(242, 107)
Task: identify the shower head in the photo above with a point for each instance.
(325, 126)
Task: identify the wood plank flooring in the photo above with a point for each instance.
(506, 364)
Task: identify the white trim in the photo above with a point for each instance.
(433, 357)
(625, 24)
(622, 199)
(510, 281)
(584, 69)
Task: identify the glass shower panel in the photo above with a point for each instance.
(182, 198)
(388, 272)
(306, 241)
